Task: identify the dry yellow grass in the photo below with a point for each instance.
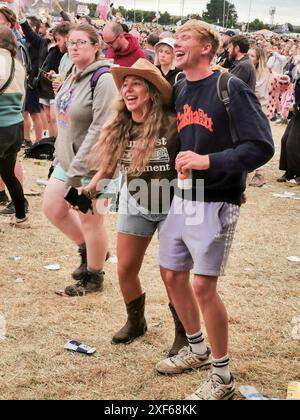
(261, 292)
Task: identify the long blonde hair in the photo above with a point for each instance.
(261, 66)
(115, 136)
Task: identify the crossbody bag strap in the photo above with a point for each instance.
(11, 76)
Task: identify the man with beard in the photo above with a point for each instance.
(242, 66)
(123, 48)
(223, 57)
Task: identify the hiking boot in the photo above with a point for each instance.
(258, 180)
(10, 208)
(214, 389)
(82, 269)
(180, 339)
(3, 198)
(136, 323)
(20, 223)
(185, 360)
(283, 178)
(89, 283)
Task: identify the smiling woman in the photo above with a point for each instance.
(141, 138)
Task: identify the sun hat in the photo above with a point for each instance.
(167, 41)
(148, 71)
(9, 15)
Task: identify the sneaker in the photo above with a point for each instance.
(3, 198)
(258, 180)
(89, 283)
(10, 209)
(214, 389)
(184, 360)
(20, 223)
(293, 182)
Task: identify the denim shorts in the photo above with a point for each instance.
(135, 220)
(108, 191)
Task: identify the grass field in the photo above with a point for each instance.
(261, 291)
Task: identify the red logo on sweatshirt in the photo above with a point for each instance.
(190, 117)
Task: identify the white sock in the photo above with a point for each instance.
(221, 368)
(197, 343)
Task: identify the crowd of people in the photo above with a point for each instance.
(140, 115)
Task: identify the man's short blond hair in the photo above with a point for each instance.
(206, 33)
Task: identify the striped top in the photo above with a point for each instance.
(11, 100)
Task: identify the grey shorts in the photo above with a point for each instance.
(134, 220)
(198, 236)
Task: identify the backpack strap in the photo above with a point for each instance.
(96, 76)
(223, 89)
(26, 61)
(178, 88)
(179, 76)
(11, 76)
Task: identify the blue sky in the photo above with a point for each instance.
(286, 11)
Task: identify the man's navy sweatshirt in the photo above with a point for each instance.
(203, 127)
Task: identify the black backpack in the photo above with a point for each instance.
(223, 89)
(43, 150)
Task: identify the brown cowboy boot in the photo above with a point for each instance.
(136, 323)
(180, 339)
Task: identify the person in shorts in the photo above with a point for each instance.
(141, 138)
(81, 113)
(199, 229)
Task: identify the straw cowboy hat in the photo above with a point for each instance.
(144, 69)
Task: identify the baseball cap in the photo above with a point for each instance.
(88, 18)
(9, 15)
(167, 41)
(229, 32)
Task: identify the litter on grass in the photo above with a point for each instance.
(288, 195)
(293, 391)
(14, 258)
(42, 182)
(294, 259)
(251, 393)
(296, 328)
(53, 267)
(79, 347)
(113, 260)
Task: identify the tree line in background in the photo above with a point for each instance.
(215, 14)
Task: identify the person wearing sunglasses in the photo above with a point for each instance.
(123, 48)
